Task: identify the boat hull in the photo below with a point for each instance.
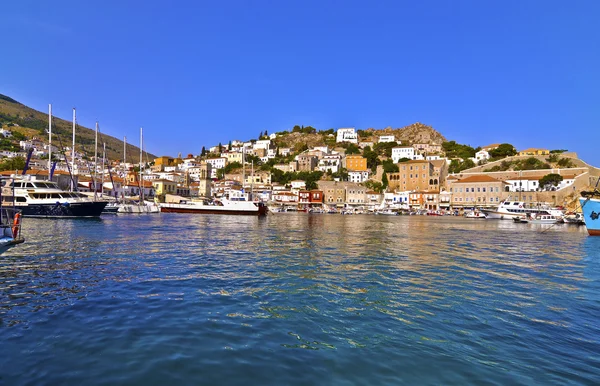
(207, 209)
(79, 209)
(591, 215)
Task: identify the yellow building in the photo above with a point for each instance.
(356, 163)
(534, 151)
(233, 157)
(162, 187)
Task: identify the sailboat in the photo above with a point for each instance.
(141, 206)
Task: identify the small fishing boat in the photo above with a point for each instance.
(590, 205)
(475, 214)
(543, 218)
(574, 219)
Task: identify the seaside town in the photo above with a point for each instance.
(413, 170)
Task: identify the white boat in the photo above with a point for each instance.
(40, 198)
(575, 219)
(508, 210)
(233, 202)
(138, 208)
(475, 214)
(386, 212)
(543, 218)
(141, 206)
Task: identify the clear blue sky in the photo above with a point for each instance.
(203, 72)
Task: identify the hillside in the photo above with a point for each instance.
(35, 123)
(415, 133)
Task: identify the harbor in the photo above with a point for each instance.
(298, 298)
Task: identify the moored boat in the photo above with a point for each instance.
(475, 214)
(590, 205)
(233, 203)
(40, 198)
(508, 210)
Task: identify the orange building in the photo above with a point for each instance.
(356, 163)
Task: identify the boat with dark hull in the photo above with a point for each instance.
(37, 198)
(232, 203)
(590, 205)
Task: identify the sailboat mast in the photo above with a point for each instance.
(124, 150)
(73, 153)
(141, 176)
(49, 139)
(243, 167)
(103, 158)
(96, 163)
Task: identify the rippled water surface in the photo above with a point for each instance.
(299, 299)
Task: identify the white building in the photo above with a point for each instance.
(482, 155)
(387, 138)
(347, 135)
(216, 164)
(324, 149)
(331, 162)
(358, 177)
(402, 152)
(5, 133)
(398, 200)
(298, 185)
(262, 144)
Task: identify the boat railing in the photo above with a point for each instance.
(10, 226)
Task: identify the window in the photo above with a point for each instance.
(483, 189)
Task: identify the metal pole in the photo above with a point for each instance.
(141, 176)
(49, 139)
(73, 153)
(96, 163)
(103, 157)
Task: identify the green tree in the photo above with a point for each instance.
(203, 153)
(352, 149)
(565, 163)
(502, 151)
(372, 159)
(220, 148)
(390, 167)
(384, 180)
(550, 180)
(16, 163)
(229, 146)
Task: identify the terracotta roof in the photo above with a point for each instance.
(415, 161)
(477, 178)
(493, 145)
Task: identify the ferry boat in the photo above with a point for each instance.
(40, 198)
(233, 202)
(590, 205)
(507, 210)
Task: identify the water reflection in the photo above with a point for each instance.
(426, 286)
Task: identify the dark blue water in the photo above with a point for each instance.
(296, 299)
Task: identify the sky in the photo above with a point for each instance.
(196, 73)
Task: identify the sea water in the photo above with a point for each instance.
(299, 299)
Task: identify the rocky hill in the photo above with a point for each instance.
(415, 133)
(17, 117)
